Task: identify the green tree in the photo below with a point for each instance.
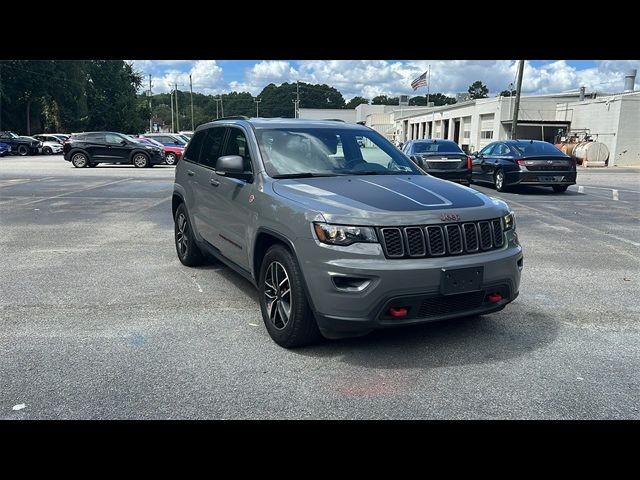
(478, 90)
(384, 100)
(355, 101)
(507, 93)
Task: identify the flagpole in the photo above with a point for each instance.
(428, 84)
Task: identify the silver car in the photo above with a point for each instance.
(339, 238)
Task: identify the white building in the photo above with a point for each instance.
(613, 119)
(347, 115)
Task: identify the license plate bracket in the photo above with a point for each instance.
(551, 178)
(461, 280)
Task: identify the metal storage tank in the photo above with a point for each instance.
(592, 152)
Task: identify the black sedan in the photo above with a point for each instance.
(523, 162)
(440, 158)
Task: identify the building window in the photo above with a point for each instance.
(486, 134)
(466, 134)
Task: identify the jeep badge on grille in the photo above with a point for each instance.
(450, 217)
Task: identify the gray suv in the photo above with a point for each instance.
(339, 231)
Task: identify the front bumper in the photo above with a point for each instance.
(413, 283)
(157, 158)
(538, 177)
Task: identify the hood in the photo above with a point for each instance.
(388, 199)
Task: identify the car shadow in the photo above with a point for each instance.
(525, 190)
(514, 332)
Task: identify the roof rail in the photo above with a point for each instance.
(333, 120)
(236, 117)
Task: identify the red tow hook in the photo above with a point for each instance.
(398, 312)
(494, 297)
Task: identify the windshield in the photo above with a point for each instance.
(329, 152)
(536, 148)
(436, 147)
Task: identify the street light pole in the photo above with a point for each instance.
(514, 123)
(191, 88)
(257, 100)
(177, 111)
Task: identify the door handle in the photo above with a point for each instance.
(214, 182)
(191, 173)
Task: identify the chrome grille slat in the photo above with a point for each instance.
(442, 240)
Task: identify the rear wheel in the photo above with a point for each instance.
(498, 180)
(171, 159)
(23, 150)
(188, 252)
(140, 160)
(283, 302)
(560, 188)
(47, 150)
(79, 160)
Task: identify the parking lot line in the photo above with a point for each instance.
(76, 191)
(22, 181)
(565, 220)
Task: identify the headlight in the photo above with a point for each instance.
(509, 221)
(343, 234)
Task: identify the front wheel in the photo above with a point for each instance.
(171, 159)
(47, 151)
(283, 302)
(23, 150)
(140, 160)
(498, 179)
(560, 188)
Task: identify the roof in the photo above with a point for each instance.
(285, 123)
(521, 140)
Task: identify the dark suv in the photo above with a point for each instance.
(339, 238)
(91, 148)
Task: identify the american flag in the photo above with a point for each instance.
(421, 81)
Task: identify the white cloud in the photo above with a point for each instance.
(207, 77)
(262, 74)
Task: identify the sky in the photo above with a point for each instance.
(369, 78)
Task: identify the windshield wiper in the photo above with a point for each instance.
(306, 175)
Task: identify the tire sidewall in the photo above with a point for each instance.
(193, 255)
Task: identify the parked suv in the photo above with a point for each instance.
(339, 240)
(91, 148)
(21, 145)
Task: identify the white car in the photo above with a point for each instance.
(50, 148)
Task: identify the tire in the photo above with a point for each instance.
(23, 150)
(560, 188)
(498, 181)
(47, 151)
(140, 160)
(188, 252)
(79, 160)
(171, 159)
(299, 327)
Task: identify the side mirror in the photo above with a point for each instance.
(232, 166)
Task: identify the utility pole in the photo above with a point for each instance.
(257, 100)
(150, 111)
(191, 88)
(514, 123)
(297, 99)
(177, 111)
(171, 98)
(217, 114)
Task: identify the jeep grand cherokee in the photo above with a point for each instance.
(339, 239)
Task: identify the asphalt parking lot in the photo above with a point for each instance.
(100, 320)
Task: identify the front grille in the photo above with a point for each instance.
(437, 241)
(444, 305)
